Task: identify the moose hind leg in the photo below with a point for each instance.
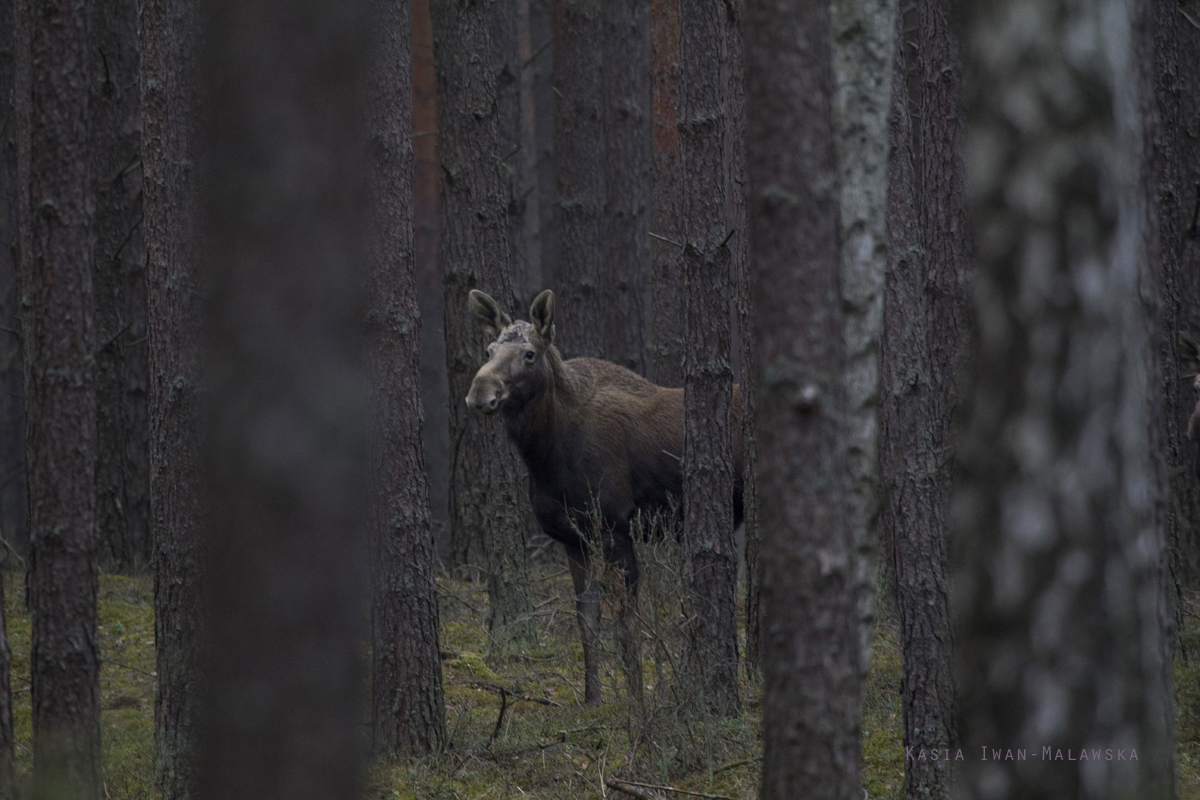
(587, 607)
(624, 559)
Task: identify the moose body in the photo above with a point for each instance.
(595, 437)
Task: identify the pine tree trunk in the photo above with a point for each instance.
(863, 36)
(625, 124)
(810, 655)
(1058, 558)
(669, 310)
(540, 69)
(408, 713)
(1176, 172)
(168, 36)
(520, 201)
(486, 490)
(119, 258)
(286, 444)
(737, 183)
(914, 518)
(580, 279)
(430, 289)
(14, 506)
(708, 377)
(60, 400)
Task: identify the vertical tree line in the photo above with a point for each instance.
(487, 522)
(408, 715)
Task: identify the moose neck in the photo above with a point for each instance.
(534, 427)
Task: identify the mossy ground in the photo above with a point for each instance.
(558, 750)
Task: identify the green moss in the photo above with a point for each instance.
(126, 627)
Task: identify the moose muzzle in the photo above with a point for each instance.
(486, 394)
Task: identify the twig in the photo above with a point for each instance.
(631, 790)
(505, 692)
(670, 789)
(736, 764)
(1188, 17)
(499, 719)
(128, 666)
(546, 602)
(664, 239)
(540, 50)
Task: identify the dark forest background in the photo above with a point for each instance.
(255, 544)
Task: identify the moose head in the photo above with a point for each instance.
(516, 368)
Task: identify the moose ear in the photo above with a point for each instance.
(541, 314)
(1189, 353)
(485, 311)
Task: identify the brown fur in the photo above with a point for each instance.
(592, 434)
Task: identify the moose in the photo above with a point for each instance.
(594, 436)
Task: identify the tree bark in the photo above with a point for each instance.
(708, 377)
(737, 184)
(914, 517)
(168, 36)
(1176, 175)
(863, 37)
(426, 223)
(486, 509)
(286, 444)
(669, 309)
(811, 692)
(119, 256)
(540, 70)
(60, 400)
(14, 507)
(408, 713)
(579, 111)
(1057, 568)
(510, 33)
(625, 42)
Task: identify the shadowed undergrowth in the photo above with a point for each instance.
(544, 744)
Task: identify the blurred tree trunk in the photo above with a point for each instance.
(408, 713)
(168, 36)
(863, 39)
(430, 290)
(914, 515)
(486, 491)
(625, 123)
(1057, 564)
(119, 256)
(59, 341)
(668, 318)
(1176, 195)
(14, 506)
(737, 184)
(579, 151)
(810, 655)
(708, 377)
(286, 450)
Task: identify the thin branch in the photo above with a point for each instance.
(672, 789)
(1188, 17)
(664, 239)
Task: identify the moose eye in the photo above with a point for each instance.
(529, 355)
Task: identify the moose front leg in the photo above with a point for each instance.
(587, 606)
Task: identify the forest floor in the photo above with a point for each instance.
(546, 744)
